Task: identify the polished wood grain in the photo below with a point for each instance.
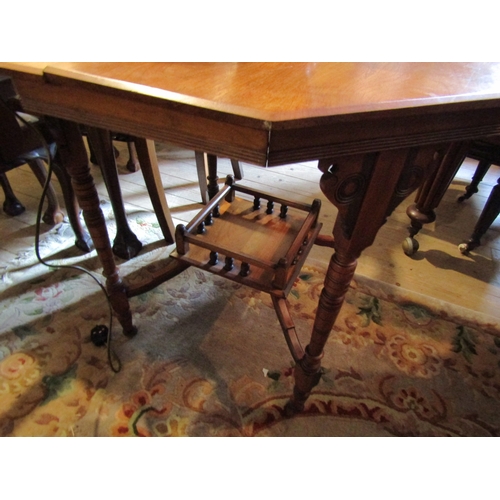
(274, 113)
(278, 92)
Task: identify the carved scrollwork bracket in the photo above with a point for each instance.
(354, 183)
(344, 183)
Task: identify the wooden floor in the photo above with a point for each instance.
(438, 269)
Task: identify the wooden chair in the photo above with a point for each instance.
(132, 165)
(487, 152)
(206, 166)
(22, 143)
(30, 141)
(142, 152)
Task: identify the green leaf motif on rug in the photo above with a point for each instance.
(56, 385)
(23, 331)
(145, 224)
(370, 311)
(418, 312)
(465, 342)
(303, 277)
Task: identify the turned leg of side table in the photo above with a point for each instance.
(74, 158)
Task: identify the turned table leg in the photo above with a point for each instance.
(308, 369)
(73, 157)
(352, 184)
(431, 193)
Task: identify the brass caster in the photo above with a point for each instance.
(464, 248)
(410, 246)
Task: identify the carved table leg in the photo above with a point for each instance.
(352, 184)
(74, 157)
(431, 193)
(126, 244)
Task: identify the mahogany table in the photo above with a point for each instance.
(379, 131)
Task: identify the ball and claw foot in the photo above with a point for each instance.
(126, 245)
(13, 208)
(410, 246)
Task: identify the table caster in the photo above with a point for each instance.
(464, 248)
(410, 246)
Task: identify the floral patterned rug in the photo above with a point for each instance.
(210, 358)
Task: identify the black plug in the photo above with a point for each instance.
(99, 335)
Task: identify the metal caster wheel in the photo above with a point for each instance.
(464, 248)
(410, 246)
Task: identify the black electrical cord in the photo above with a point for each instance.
(111, 354)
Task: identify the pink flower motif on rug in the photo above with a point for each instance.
(50, 297)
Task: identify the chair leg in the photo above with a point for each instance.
(202, 175)
(482, 167)
(11, 206)
(206, 165)
(83, 241)
(488, 215)
(147, 157)
(126, 244)
(237, 169)
(53, 214)
(133, 164)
